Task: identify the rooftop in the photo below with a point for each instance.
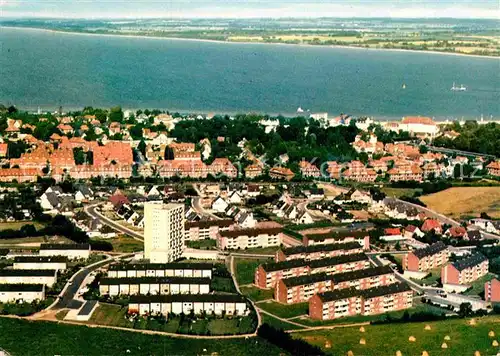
(65, 247)
(154, 280)
(471, 261)
(430, 250)
(337, 235)
(27, 272)
(159, 266)
(320, 248)
(366, 294)
(21, 287)
(363, 273)
(40, 259)
(187, 298)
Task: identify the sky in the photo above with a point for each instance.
(250, 8)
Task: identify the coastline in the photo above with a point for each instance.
(246, 42)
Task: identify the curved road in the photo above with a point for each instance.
(91, 210)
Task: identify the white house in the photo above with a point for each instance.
(72, 251)
(220, 205)
(304, 218)
(245, 219)
(25, 292)
(40, 262)
(235, 198)
(28, 276)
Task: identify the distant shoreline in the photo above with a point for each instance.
(245, 42)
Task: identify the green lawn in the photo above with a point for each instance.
(387, 339)
(419, 307)
(245, 270)
(278, 324)
(26, 338)
(16, 225)
(284, 311)
(206, 244)
(430, 280)
(257, 294)
(124, 243)
(478, 285)
(259, 251)
(222, 284)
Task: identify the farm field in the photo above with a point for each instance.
(26, 338)
(387, 339)
(465, 201)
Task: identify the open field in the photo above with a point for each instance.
(399, 192)
(245, 269)
(23, 242)
(16, 225)
(22, 337)
(206, 244)
(124, 243)
(465, 201)
(382, 340)
(257, 294)
(284, 311)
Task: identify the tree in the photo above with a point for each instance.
(136, 132)
(423, 149)
(484, 215)
(465, 310)
(142, 147)
(116, 114)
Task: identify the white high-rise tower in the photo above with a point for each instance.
(163, 232)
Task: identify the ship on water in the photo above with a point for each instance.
(458, 88)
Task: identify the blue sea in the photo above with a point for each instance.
(49, 69)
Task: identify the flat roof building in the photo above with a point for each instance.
(154, 285)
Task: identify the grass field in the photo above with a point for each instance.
(26, 338)
(278, 324)
(260, 251)
(284, 311)
(16, 225)
(399, 192)
(468, 201)
(256, 294)
(387, 339)
(245, 269)
(478, 285)
(206, 244)
(124, 243)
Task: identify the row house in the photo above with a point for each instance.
(494, 168)
(371, 146)
(28, 276)
(379, 165)
(206, 229)
(129, 270)
(431, 168)
(71, 251)
(426, 258)
(20, 175)
(334, 169)
(351, 301)
(218, 304)
(40, 262)
(250, 238)
(307, 169)
(398, 210)
(184, 155)
(154, 285)
(65, 129)
(223, 166)
(316, 252)
(11, 293)
(183, 169)
(465, 271)
(37, 158)
(267, 275)
(253, 171)
(114, 151)
(357, 171)
(281, 173)
(492, 291)
(86, 171)
(405, 173)
(301, 289)
(335, 237)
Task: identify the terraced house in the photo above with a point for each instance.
(218, 304)
(28, 276)
(351, 301)
(187, 269)
(249, 238)
(154, 285)
(335, 237)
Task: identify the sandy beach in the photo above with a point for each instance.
(244, 42)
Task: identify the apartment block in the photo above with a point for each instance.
(40, 262)
(249, 238)
(492, 291)
(187, 269)
(230, 304)
(25, 292)
(154, 285)
(335, 237)
(316, 252)
(71, 251)
(351, 301)
(301, 289)
(465, 271)
(28, 276)
(163, 232)
(268, 274)
(426, 258)
(200, 230)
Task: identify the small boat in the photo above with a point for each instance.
(404, 86)
(460, 88)
(299, 109)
